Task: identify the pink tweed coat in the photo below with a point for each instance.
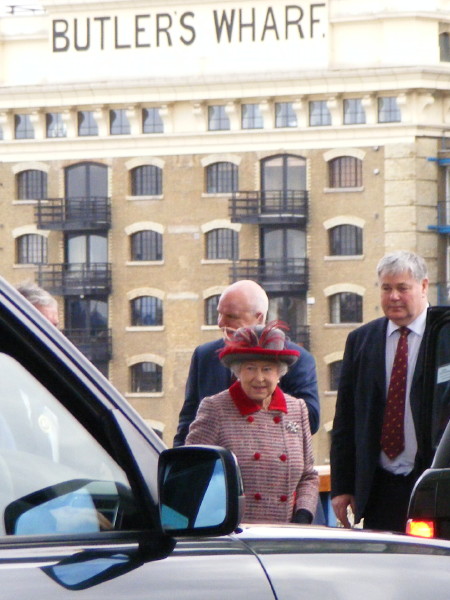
(273, 449)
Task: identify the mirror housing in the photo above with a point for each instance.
(200, 491)
(430, 501)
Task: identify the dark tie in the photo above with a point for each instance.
(393, 435)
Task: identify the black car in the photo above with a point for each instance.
(93, 505)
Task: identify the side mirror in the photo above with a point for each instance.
(200, 491)
(429, 507)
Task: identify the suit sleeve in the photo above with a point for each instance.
(301, 382)
(342, 453)
(191, 402)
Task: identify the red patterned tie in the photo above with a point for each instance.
(393, 436)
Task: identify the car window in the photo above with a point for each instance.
(56, 478)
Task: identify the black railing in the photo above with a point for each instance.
(74, 213)
(273, 274)
(284, 206)
(95, 344)
(74, 279)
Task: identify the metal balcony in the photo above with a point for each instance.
(269, 207)
(72, 214)
(75, 279)
(95, 344)
(273, 274)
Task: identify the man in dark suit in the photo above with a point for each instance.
(242, 304)
(365, 474)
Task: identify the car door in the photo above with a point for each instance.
(79, 491)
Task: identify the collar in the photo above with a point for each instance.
(247, 406)
(417, 326)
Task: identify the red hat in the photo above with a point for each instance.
(258, 343)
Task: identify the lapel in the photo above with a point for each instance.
(378, 354)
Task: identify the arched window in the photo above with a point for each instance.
(211, 304)
(32, 185)
(223, 244)
(146, 181)
(345, 307)
(31, 249)
(146, 311)
(345, 240)
(345, 172)
(335, 374)
(146, 377)
(221, 178)
(146, 245)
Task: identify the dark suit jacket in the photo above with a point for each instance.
(356, 435)
(207, 376)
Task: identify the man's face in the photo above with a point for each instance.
(403, 298)
(50, 312)
(233, 312)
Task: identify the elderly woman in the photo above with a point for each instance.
(267, 430)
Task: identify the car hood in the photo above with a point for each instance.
(333, 563)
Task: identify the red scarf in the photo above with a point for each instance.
(247, 406)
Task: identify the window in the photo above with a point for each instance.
(251, 117)
(444, 46)
(146, 377)
(146, 181)
(218, 118)
(354, 112)
(335, 374)
(285, 115)
(345, 172)
(146, 310)
(146, 245)
(55, 126)
(118, 122)
(211, 304)
(32, 185)
(23, 128)
(151, 121)
(87, 124)
(222, 244)
(319, 113)
(388, 110)
(31, 249)
(345, 240)
(346, 307)
(221, 178)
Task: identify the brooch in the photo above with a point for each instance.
(292, 427)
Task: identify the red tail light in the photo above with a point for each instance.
(420, 528)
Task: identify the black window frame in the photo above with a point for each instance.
(31, 185)
(210, 305)
(143, 306)
(345, 307)
(345, 240)
(345, 172)
(146, 180)
(222, 178)
(147, 246)
(222, 243)
(146, 383)
(31, 249)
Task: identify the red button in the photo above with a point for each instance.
(258, 497)
(257, 456)
(277, 419)
(250, 419)
(283, 457)
(283, 498)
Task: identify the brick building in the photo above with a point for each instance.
(151, 153)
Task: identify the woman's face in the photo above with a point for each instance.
(259, 379)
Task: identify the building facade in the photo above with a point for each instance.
(152, 153)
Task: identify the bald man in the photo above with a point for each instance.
(242, 304)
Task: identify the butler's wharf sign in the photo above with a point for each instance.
(254, 23)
